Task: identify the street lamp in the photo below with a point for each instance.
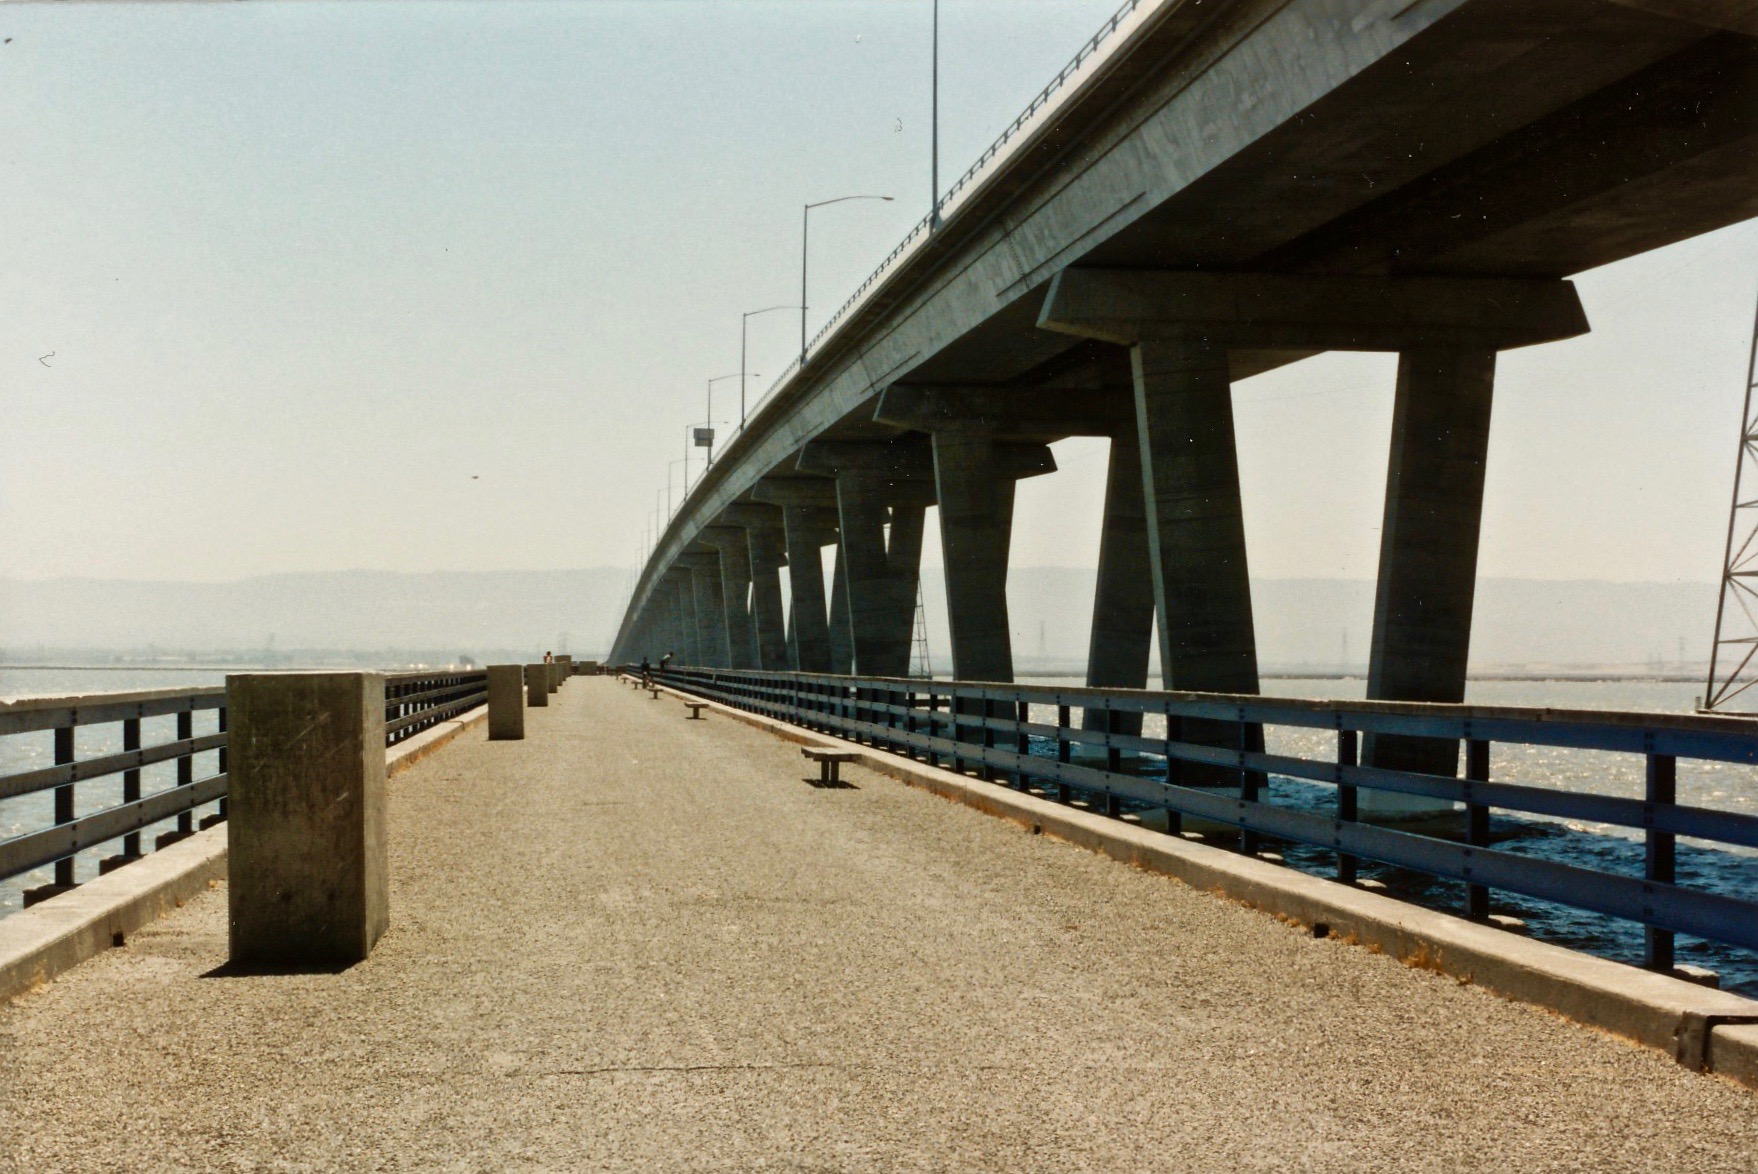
(805, 228)
(710, 420)
(934, 125)
(743, 323)
(686, 464)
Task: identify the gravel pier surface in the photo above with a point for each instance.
(633, 941)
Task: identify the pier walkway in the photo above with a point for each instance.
(636, 941)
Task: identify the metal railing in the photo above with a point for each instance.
(925, 226)
(1007, 731)
(414, 702)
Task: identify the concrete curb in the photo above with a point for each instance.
(38, 943)
(1681, 1018)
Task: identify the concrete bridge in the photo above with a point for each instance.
(1219, 188)
(632, 940)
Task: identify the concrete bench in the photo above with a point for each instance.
(695, 708)
(829, 760)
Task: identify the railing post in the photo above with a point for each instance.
(506, 702)
(131, 784)
(185, 769)
(1174, 768)
(220, 725)
(307, 884)
(64, 802)
(1249, 841)
(1023, 714)
(1062, 719)
(1660, 858)
(1348, 754)
(1476, 823)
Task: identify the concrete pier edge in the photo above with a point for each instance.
(38, 943)
(1680, 1018)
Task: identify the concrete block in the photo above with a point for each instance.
(564, 667)
(308, 884)
(552, 676)
(506, 702)
(536, 684)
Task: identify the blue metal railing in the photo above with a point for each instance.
(1216, 740)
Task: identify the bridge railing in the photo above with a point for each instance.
(1032, 735)
(919, 232)
(111, 771)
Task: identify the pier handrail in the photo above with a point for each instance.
(991, 727)
(414, 701)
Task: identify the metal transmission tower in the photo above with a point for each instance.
(920, 665)
(1733, 654)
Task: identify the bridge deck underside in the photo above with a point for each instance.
(1452, 138)
(639, 941)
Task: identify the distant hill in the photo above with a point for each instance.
(1302, 623)
(474, 613)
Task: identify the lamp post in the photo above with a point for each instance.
(711, 383)
(744, 322)
(934, 126)
(686, 464)
(805, 231)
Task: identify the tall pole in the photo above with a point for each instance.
(934, 124)
(805, 227)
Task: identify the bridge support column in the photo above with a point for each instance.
(689, 639)
(1196, 535)
(842, 624)
(1195, 524)
(807, 619)
(976, 528)
(735, 581)
(882, 571)
(767, 558)
(1123, 599)
(1428, 556)
(711, 615)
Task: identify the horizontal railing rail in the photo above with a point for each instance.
(414, 701)
(992, 729)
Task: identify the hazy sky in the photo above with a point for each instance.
(414, 286)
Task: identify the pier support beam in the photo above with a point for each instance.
(1181, 328)
(809, 620)
(882, 491)
(689, 638)
(976, 529)
(1428, 554)
(710, 611)
(808, 515)
(767, 549)
(735, 579)
(767, 553)
(1123, 597)
(1195, 524)
(842, 624)
(307, 877)
(978, 455)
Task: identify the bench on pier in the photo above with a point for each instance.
(695, 708)
(829, 760)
